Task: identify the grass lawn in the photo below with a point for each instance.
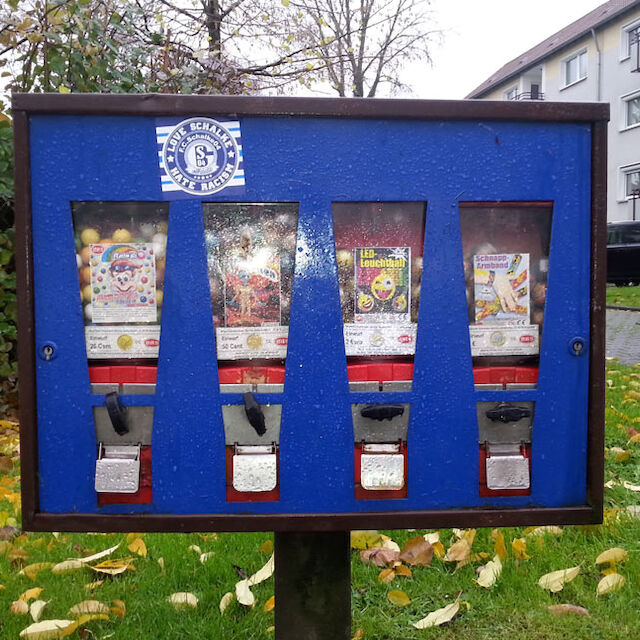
(623, 296)
(514, 608)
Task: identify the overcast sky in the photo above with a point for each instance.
(482, 35)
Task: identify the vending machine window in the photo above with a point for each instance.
(121, 257)
(379, 249)
(250, 259)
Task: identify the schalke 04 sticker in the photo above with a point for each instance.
(200, 156)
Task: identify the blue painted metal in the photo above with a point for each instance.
(315, 162)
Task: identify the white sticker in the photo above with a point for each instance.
(392, 339)
(496, 340)
(251, 342)
(122, 341)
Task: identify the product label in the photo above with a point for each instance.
(493, 340)
(123, 283)
(122, 341)
(380, 339)
(234, 343)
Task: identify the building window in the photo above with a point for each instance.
(629, 40)
(632, 183)
(632, 39)
(575, 68)
(511, 94)
(632, 111)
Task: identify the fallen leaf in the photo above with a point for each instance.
(439, 616)
(88, 606)
(35, 609)
(386, 575)
(226, 600)
(32, 570)
(612, 582)
(49, 629)
(543, 531)
(461, 549)
(183, 600)
(564, 609)
(205, 556)
(490, 573)
(631, 487)
(379, 557)
(132, 536)
(195, 548)
(264, 573)
(266, 547)
(399, 598)
(403, 570)
(118, 608)
(388, 543)
(364, 539)
(499, 546)
(616, 554)
(270, 604)
(432, 538)
(161, 563)
(359, 634)
(556, 580)
(19, 607)
(417, 552)
(97, 556)
(633, 511)
(31, 594)
(519, 546)
(139, 547)
(93, 585)
(474, 557)
(114, 567)
(67, 567)
(438, 550)
(244, 594)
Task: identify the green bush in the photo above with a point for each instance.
(8, 325)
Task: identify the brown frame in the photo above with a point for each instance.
(596, 114)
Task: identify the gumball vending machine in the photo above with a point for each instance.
(121, 255)
(250, 257)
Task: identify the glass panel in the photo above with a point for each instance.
(571, 70)
(633, 183)
(506, 258)
(582, 59)
(379, 252)
(633, 111)
(250, 257)
(121, 254)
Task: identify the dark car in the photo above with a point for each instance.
(623, 252)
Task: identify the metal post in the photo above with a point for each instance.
(312, 586)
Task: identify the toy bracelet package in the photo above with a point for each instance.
(501, 306)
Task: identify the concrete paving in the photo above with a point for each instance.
(623, 335)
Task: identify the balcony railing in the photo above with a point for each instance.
(530, 95)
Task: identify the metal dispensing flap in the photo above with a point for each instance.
(507, 468)
(388, 425)
(118, 469)
(381, 467)
(254, 469)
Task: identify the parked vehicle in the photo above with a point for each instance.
(623, 252)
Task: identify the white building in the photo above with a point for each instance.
(594, 59)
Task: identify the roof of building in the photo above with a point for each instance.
(576, 30)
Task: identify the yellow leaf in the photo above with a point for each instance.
(226, 600)
(635, 439)
(490, 573)
(616, 554)
(133, 536)
(438, 550)
(612, 582)
(439, 616)
(183, 600)
(88, 606)
(461, 549)
(556, 580)
(138, 546)
(399, 598)
(35, 609)
(262, 574)
(93, 585)
(386, 575)
(359, 634)
(5, 547)
(49, 630)
(519, 546)
(118, 608)
(244, 595)
(206, 556)
(537, 532)
(388, 543)
(499, 546)
(67, 567)
(266, 547)
(88, 617)
(161, 563)
(195, 548)
(19, 607)
(31, 594)
(403, 570)
(114, 567)
(285, 3)
(364, 539)
(270, 604)
(63, 89)
(16, 553)
(97, 556)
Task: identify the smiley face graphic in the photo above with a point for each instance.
(383, 286)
